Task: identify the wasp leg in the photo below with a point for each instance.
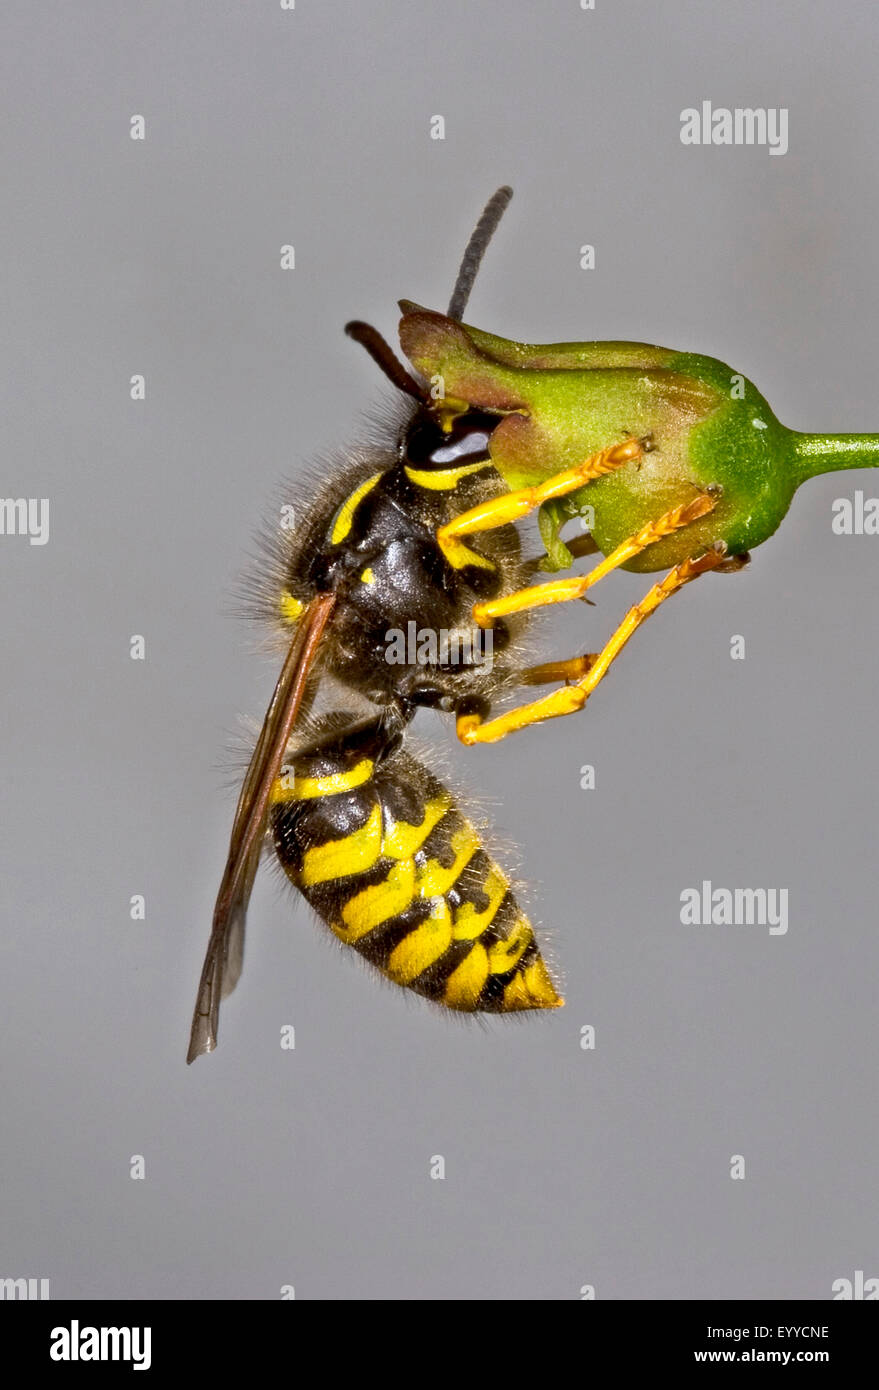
(734, 563)
(571, 698)
(513, 506)
(561, 590)
(551, 671)
(579, 546)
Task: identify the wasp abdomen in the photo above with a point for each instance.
(385, 857)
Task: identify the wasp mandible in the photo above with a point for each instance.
(679, 465)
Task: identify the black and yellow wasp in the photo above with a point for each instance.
(371, 838)
(419, 536)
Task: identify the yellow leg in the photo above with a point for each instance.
(561, 590)
(513, 506)
(571, 698)
(551, 671)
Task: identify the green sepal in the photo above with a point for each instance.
(551, 517)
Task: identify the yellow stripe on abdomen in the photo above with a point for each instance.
(378, 903)
(468, 922)
(433, 880)
(466, 981)
(503, 955)
(352, 854)
(532, 988)
(291, 788)
(423, 947)
(403, 840)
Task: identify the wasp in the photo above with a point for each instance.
(676, 463)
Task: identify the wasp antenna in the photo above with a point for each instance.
(382, 353)
(476, 249)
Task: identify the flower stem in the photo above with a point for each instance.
(827, 453)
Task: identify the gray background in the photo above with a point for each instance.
(564, 1167)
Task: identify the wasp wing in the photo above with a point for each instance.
(222, 964)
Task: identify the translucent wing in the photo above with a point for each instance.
(222, 964)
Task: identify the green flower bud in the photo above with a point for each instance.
(706, 427)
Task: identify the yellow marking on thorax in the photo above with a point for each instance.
(448, 410)
(353, 854)
(404, 839)
(344, 519)
(503, 955)
(377, 903)
(289, 607)
(468, 922)
(289, 788)
(433, 880)
(422, 947)
(444, 479)
(367, 577)
(464, 985)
